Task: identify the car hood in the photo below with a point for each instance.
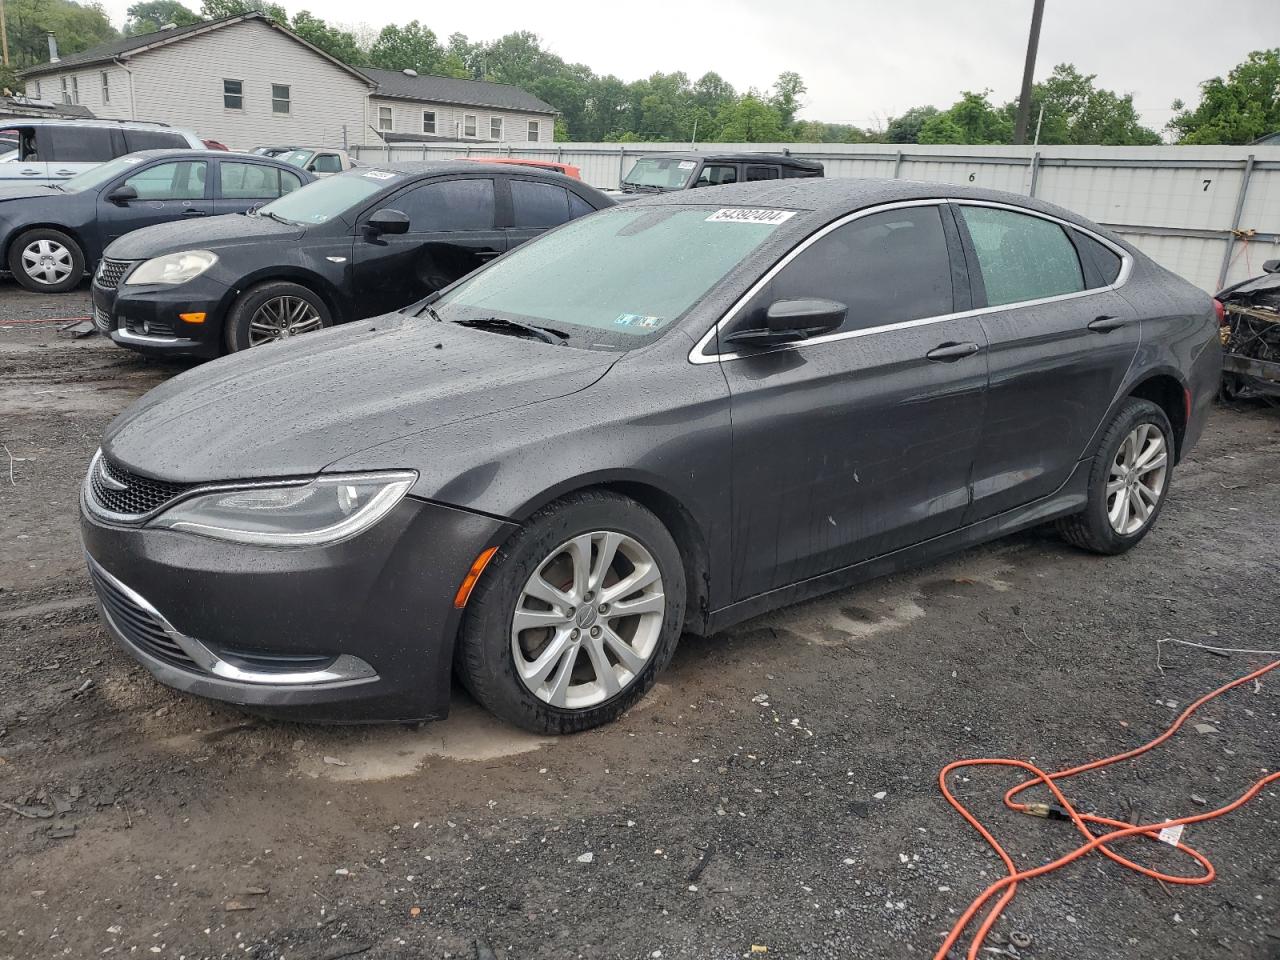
(201, 233)
(28, 191)
(292, 408)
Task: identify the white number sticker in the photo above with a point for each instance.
(686, 165)
(746, 215)
(379, 175)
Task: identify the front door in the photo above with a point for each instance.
(857, 443)
(23, 161)
(1060, 344)
(169, 190)
(451, 232)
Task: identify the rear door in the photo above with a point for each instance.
(73, 150)
(167, 190)
(857, 443)
(243, 184)
(452, 230)
(762, 171)
(1060, 341)
(25, 162)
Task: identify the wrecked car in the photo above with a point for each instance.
(1251, 335)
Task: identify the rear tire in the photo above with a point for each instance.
(289, 309)
(1128, 481)
(46, 261)
(590, 661)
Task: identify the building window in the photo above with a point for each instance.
(66, 97)
(534, 131)
(384, 118)
(469, 125)
(495, 128)
(106, 87)
(37, 89)
(75, 89)
(233, 94)
(428, 121)
(279, 98)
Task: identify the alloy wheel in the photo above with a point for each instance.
(588, 620)
(1137, 478)
(282, 317)
(47, 262)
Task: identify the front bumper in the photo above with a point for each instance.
(358, 631)
(146, 318)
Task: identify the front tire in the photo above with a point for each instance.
(275, 310)
(46, 261)
(575, 615)
(1128, 481)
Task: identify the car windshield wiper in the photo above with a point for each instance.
(277, 218)
(499, 324)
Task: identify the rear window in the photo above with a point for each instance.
(1022, 257)
(1105, 260)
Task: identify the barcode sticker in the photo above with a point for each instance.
(747, 215)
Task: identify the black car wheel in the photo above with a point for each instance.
(1128, 481)
(272, 311)
(46, 261)
(575, 615)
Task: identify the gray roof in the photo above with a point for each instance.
(107, 52)
(472, 93)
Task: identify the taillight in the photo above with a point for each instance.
(1222, 314)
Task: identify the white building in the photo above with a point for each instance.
(247, 81)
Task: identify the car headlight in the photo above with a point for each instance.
(173, 267)
(305, 513)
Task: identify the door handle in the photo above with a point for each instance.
(951, 352)
(193, 213)
(1107, 324)
(65, 173)
(30, 173)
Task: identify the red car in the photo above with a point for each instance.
(215, 144)
(568, 169)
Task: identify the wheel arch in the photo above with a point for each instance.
(670, 509)
(71, 232)
(321, 287)
(1168, 392)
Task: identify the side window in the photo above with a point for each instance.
(1021, 257)
(761, 173)
(886, 268)
(326, 163)
(538, 204)
(179, 180)
(289, 182)
(714, 174)
(248, 181)
(447, 205)
(76, 144)
(154, 140)
(1105, 260)
(578, 207)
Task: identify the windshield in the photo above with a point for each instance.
(93, 178)
(323, 200)
(297, 158)
(664, 173)
(615, 278)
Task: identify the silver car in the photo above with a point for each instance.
(48, 150)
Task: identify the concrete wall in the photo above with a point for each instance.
(1210, 214)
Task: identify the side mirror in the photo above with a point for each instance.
(1271, 266)
(388, 221)
(789, 321)
(122, 194)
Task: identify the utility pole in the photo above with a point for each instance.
(1028, 74)
(4, 34)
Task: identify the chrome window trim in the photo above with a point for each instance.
(697, 356)
(344, 669)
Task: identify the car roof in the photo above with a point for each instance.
(12, 121)
(471, 168)
(743, 157)
(202, 154)
(820, 200)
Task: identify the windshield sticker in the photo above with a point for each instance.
(639, 320)
(745, 215)
(687, 164)
(380, 175)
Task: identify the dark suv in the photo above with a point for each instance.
(664, 172)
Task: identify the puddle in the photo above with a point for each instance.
(470, 734)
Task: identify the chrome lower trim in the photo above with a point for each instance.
(344, 669)
(123, 334)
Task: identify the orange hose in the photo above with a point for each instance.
(1007, 886)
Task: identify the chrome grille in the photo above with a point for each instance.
(119, 491)
(111, 272)
(138, 625)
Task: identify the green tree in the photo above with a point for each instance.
(941, 128)
(150, 15)
(76, 26)
(412, 46)
(751, 120)
(1078, 112)
(1239, 109)
(906, 128)
(217, 9)
(787, 92)
(334, 41)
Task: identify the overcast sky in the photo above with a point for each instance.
(865, 61)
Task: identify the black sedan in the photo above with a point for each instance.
(52, 234)
(351, 246)
(665, 417)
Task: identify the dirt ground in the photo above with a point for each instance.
(778, 789)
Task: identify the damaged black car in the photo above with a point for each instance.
(1251, 336)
